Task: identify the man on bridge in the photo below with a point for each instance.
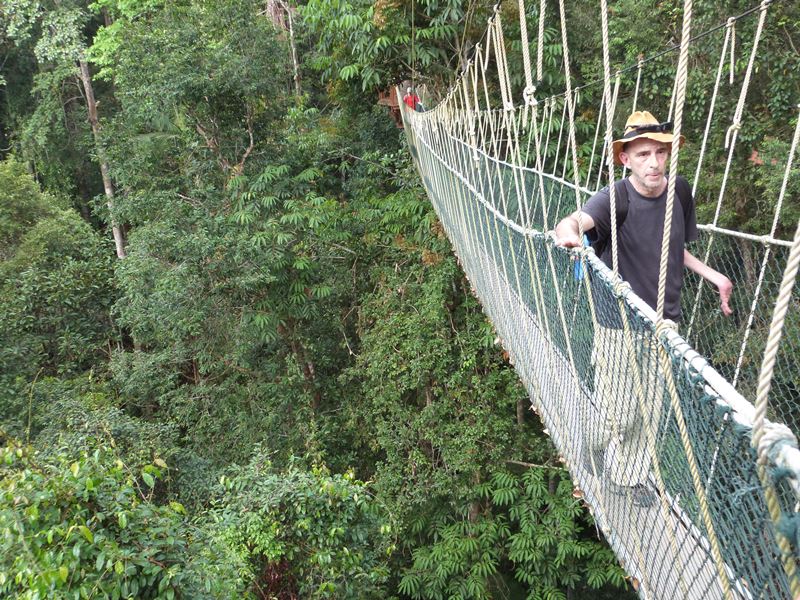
(644, 149)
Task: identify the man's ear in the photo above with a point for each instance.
(623, 158)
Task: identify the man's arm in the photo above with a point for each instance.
(568, 232)
(723, 284)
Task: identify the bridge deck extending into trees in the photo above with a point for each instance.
(500, 176)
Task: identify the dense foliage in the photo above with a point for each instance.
(285, 389)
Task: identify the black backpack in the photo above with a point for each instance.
(682, 190)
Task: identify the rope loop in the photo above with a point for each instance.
(620, 287)
(776, 436)
(665, 325)
(734, 128)
(528, 95)
(731, 25)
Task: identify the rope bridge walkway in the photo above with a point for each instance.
(724, 521)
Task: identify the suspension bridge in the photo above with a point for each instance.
(501, 169)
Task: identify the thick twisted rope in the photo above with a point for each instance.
(762, 397)
(765, 383)
(628, 336)
(540, 48)
(530, 89)
(703, 145)
(609, 137)
(680, 97)
(767, 252)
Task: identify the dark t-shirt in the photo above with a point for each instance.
(639, 244)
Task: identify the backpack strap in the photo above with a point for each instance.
(684, 192)
(621, 200)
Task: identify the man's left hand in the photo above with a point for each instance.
(725, 288)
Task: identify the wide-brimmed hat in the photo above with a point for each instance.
(642, 124)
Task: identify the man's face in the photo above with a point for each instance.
(647, 160)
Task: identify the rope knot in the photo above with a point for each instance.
(620, 287)
(508, 106)
(528, 95)
(734, 128)
(774, 437)
(663, 326)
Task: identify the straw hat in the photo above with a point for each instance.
(642, 124)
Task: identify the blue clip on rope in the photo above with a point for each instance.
(577, 268)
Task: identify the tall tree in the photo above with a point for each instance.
(60, 49)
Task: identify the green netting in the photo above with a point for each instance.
(585, 379)
(723, 339)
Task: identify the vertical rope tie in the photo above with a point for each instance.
(680, 98)
(639, 67)
(540, 47)
(570, 109)
(703, 145)
(732, 32)
(609, 134)
(732, 133)
(530, 88)
(767, 250)
(502, 63)
(628, 336)
(762, 397)
(600, 114)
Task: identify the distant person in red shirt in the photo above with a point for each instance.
(411, 99)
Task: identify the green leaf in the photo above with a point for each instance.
(86, 533)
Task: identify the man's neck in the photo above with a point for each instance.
(646, 191)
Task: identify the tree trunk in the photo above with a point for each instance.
(295, 64)
(108, 186)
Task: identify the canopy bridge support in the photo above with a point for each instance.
(538, 304)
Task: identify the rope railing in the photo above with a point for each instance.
(723, 524)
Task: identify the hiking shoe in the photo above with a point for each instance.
(639, 494)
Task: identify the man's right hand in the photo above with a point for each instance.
(567, 233)
(568, 241)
